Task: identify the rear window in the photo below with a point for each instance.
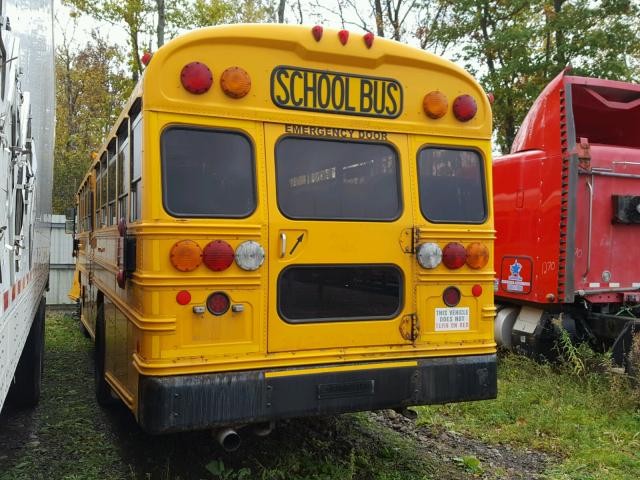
(337, 180)
(451, 184)
(207, 173)
(324, 293)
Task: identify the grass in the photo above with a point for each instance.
(590, 421)
(69, 437)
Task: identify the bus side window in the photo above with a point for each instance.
(104, 193)
(97, 194)
(136, 167)
(111, 187)
(123, 168)
(80, 223)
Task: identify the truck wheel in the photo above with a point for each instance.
(633, 359)
(25, 391)
(104, 395)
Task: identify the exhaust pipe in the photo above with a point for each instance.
(228, 439)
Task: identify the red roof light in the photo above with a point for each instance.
(317, 32)
(343, 35)
(146, 58)
(196, 78)
(368, 39)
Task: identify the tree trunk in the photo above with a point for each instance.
(162, 21)
(135, 53)
(281, 6)
(379, 15)
(561, 58)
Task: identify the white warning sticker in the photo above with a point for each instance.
(452, 319)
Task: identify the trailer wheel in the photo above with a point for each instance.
(25, 391)
(104, 396)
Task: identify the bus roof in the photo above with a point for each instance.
(272, 54)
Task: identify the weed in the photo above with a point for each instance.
(590, 426)
(470, 463)
(580, 359)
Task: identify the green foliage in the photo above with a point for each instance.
(217, 468)
(516, 47)
(590, 424)
(90, 90)
(470, 463)
(204, 13)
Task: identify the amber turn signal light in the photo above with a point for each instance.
(185, 255)
(435, 104)
(235, 82)
(477, 255)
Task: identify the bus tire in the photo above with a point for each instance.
(25, 390)
(78, 316)
(104, 396)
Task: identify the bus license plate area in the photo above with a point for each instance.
(452, 319)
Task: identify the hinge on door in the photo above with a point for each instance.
(410, 327)
(407, 240)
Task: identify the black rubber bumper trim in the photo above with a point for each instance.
(192, 402)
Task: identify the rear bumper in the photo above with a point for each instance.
(192, 402)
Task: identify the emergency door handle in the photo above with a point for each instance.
(283, 244)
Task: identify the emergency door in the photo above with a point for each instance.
(338, 273)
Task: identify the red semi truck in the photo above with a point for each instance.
(567, 213)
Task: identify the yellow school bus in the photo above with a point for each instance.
(290, 221)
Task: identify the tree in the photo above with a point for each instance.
(132, 14)
(90, 88)
(515, 47)
(386, 18)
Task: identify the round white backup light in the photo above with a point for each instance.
(249, 255)
(429, 255)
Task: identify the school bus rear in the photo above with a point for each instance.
(315, 230)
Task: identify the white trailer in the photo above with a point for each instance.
(27, 117)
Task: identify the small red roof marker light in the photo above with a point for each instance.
(196, 78)
(465, 107)
(146, 58)
(491, 97)
(317, 32)
(343, 35)
(368, 39)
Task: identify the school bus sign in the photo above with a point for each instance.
(335, 92)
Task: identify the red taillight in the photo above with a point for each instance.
(196, 78)
(218, 255)
(476, 290)
(465, 108)
(218, 303)
(454, 255)
(183, 297)
(451, 296)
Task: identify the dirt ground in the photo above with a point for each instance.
(69, 437)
